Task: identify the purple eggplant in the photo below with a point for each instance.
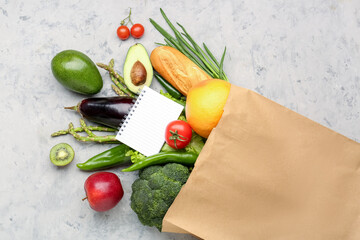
(109, 111)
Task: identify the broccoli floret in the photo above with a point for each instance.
(147, 172)
(176, 172)
(155, 190)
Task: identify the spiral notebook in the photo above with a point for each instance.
(144, 127)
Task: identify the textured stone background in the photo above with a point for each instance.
(302, 54)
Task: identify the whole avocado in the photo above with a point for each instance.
(76, 72)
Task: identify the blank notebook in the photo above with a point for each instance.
(144, 127)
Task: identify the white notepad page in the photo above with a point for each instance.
(144, 126)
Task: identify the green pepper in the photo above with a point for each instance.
(110, 158)
(184, 158)
(168, 87)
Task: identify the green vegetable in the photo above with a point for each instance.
(76, 72)
(167, 148)
(115, 156)
(119, 87)
(203, 58)
(91, 137)
(155, 190)
(81, 129)
(181, 101)
(196, 144)
(163, 158)
(135, 156)
(168, 87)
(182, 118)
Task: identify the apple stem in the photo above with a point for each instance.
(84, 198)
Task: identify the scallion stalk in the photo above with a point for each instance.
(187, 46)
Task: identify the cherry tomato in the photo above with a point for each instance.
(178, 134)
(123, 32)
(137, 30)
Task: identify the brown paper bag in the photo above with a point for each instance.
(267, 172)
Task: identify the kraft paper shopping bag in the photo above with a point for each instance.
(267, 172)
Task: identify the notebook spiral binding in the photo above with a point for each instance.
(132, 109)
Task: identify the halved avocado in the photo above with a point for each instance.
(138, 71)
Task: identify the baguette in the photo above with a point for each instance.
(176, 68)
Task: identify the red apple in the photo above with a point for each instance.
(103, 191)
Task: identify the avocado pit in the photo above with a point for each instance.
(138, 74)
(138, 71)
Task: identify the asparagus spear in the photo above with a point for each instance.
(116, 78)
(91, 137)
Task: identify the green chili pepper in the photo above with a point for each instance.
(168, 87)
(110, 158)
(184, 158)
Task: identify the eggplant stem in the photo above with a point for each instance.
(75, 108)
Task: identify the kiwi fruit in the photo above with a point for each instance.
(61, 154)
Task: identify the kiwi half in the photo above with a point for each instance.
(61, 154)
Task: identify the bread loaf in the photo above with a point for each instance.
(176, 68)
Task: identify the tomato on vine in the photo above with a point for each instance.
(123, 32)
(137, 30)
(178, 134)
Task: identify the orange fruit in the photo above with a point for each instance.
(205, 103)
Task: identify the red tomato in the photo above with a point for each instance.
(137, 30)
(123, 32)
(178, 134)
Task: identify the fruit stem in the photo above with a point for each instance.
(176, 136)
(129, 19)
(71, 108)
(84, 198)
(75, 108)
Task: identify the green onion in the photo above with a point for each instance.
(187, 46)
